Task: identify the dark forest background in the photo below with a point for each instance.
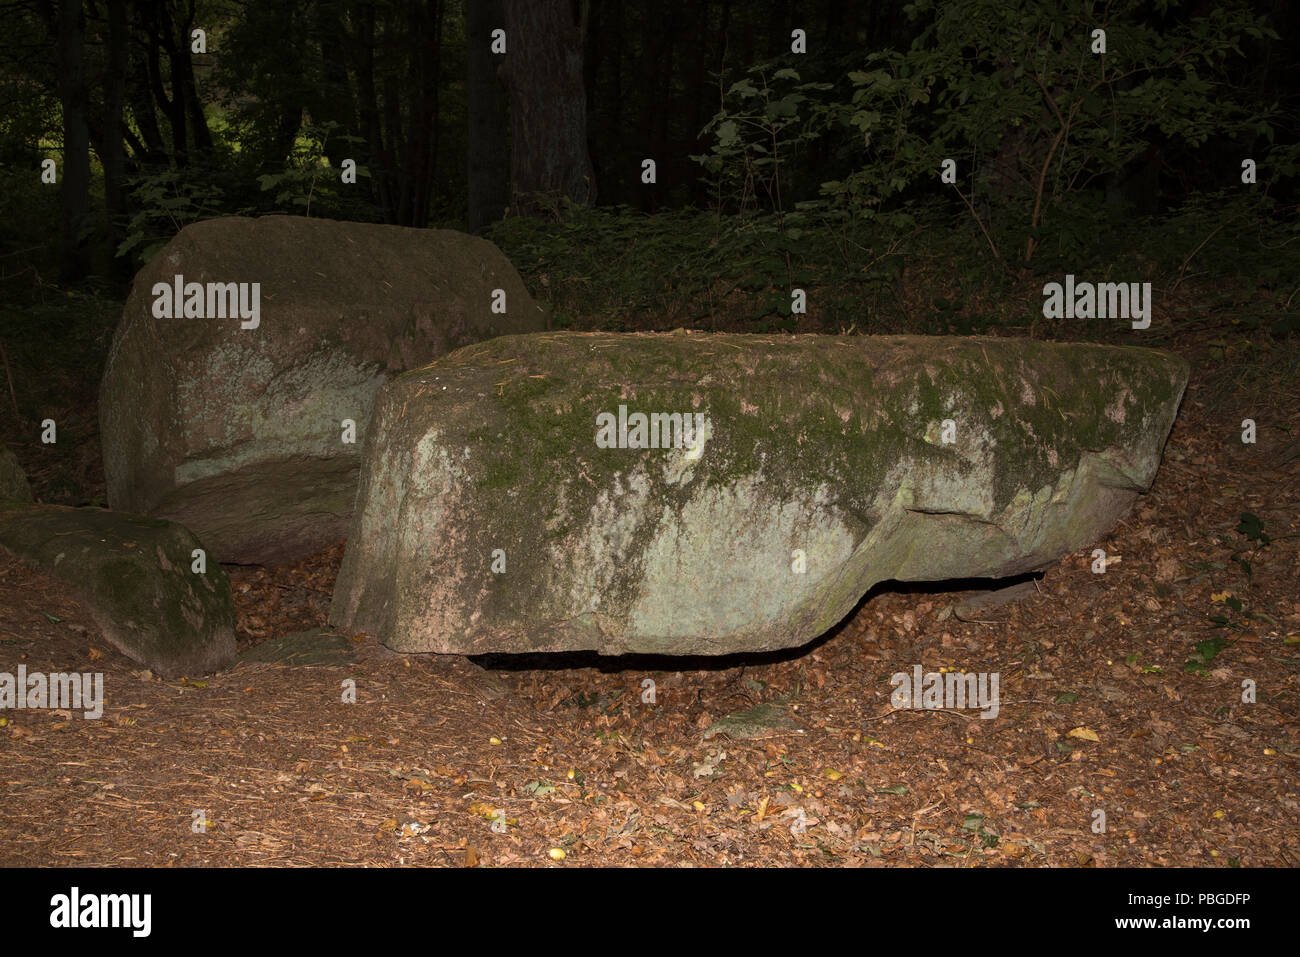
(793, 145)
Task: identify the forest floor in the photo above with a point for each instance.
(1122, 736)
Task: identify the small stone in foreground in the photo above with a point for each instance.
(13, 481)
(317, 646)
(133, 575)
(753, 723)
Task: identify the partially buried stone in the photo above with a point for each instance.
(317, 646)
(136, 578)
(756, 722)
(13, 482)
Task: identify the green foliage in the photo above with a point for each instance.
(54, 343)
(1014, 93)
(1251, 527)
(307, 174)
(617, 269)
(1211, 235)
(974, 823)
(24, 203)
(1205, 652)
(167, 201)
(757, 133)
(73, 325)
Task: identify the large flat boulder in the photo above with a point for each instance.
(535, 493)
(135, 577)
(245, 345)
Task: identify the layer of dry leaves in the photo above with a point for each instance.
(559, 762)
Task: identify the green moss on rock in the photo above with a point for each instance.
(134, 575)
(834, 446)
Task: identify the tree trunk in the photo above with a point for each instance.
(698, 96)
(485, 170)
(421, 132)
(163, 38)
(338, 100)
(548, 105)
(74, 194)
(368, 111)
(112, 152)
(193, 106)
(151, 150)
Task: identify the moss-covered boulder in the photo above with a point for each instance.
(135, 577)
(247, 344)
(13, 481)
(513, 499)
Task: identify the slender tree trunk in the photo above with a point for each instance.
(174, 107)
(368, 110)
(643, 138)
(74, 194)
(112, 151)
(486, 108)
(698, 96)
(152, 150)
(435, 125)
(594, 44)
(593, 54)
(618, 75)
(155, 20)
(665, 156)
(338, 101)
(396, 151)
(422, 125)
(616, 115)
(193, 106)
(548, 105)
